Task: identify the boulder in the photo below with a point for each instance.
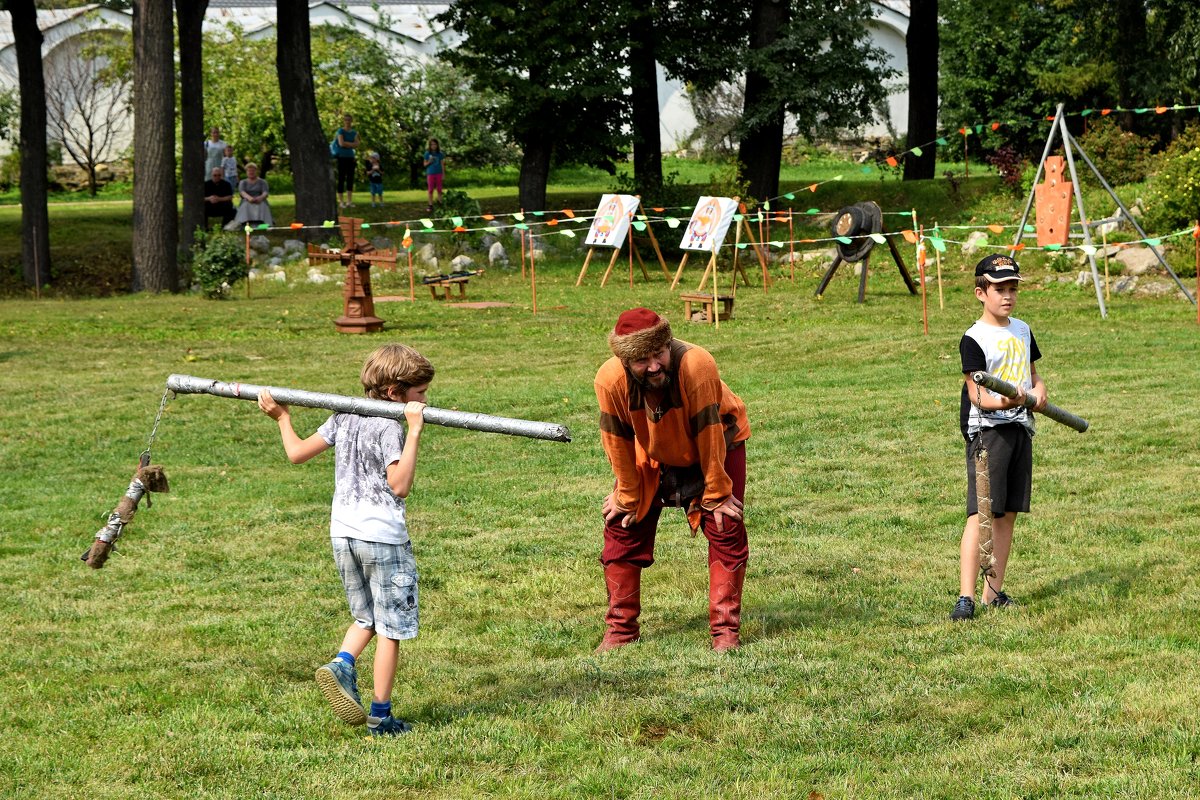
(1136, 260)
(316, 276)
(462, 263)
(1084, 279)
(260, 244)
(1125, 284)
(295, 246)
(425, 255)
(497, 255)
(382, 243)
(975, 241)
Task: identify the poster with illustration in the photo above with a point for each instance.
(611, 223)
(709, 223)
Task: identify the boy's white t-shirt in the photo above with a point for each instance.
(1007, 352)
(364, 506)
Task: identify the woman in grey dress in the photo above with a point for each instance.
(254, 208)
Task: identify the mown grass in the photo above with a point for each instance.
(184, 667)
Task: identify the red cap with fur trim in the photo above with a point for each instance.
(639, 333)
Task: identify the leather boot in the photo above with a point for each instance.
(725, 604)
(624, 581)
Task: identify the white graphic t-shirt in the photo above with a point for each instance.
(364, 506)
(1006, 352)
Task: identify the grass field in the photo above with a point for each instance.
(183, 669)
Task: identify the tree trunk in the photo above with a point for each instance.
(190, 14)
(35, 216)
(307, 144)
(921, 43)
(536, 150)
(760, 152)
(643, 101)
(1129, 17)
(155, 218)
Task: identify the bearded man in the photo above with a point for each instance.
(675, 436)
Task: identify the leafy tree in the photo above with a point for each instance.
(155, 221)
(308, 153)
(551, 65)
(86, 104)
(35, 215)
(813, 61)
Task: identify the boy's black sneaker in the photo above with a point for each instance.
(963, 609)
(1001, 600)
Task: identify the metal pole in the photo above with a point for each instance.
(1000, 386)
(1087, 231)
(189, 384)
(1038, 176)
(1132, 221)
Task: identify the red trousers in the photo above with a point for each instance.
(727, 544)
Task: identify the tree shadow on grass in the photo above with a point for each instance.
(1117, 579)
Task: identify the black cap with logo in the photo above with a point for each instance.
(998, 268)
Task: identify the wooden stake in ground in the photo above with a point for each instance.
(937, 257)
(521, 234)
(716, 312)
(532, 275)
(248, 262)
(411, 281)
(921, 269)
(791, 246)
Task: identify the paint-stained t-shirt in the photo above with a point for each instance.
(1006, 352)
(364, 506)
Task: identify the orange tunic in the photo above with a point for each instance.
(693, 421)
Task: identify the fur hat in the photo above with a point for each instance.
(639, 333)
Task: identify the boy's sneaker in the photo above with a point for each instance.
(1001, 600)
(387, 726)
(339, 683)
(963, 609)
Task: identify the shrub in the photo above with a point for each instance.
(1121, 157)
(218, 261)
(1010, 164)
(1173, 199)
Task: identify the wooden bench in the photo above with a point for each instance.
(707, 304)
(448, 283)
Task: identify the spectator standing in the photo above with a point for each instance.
(229, 166)
(375, 179)
(435, 169)
(345, 143)
(214, 149)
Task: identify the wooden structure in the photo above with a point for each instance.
(1053, 202)
(858, 222)
(357, 255)
(447, 282)
(708, 304)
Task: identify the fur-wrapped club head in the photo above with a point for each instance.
(639, 333)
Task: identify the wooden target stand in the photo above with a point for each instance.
(862, 278)
(711, 266)
(633, 253)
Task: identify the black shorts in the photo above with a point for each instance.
(1010, 468)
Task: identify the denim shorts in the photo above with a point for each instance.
(381, 585)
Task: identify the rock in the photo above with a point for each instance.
(316, 276)
(280, 276)
(382, 243)
(275, 261)
(293, 246)
(462, 262)
(975, 241)
(425, 255)
(497, 254)
(277, 251)
(254, 274)
(260, 244)
(1084, 279)
(1155, 288)
(1125, 284)
(1101, 253)
(1136, 260)
(487, 241)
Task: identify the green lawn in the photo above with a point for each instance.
(183, 669)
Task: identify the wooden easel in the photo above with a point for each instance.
(633, 247)
(711, 265)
